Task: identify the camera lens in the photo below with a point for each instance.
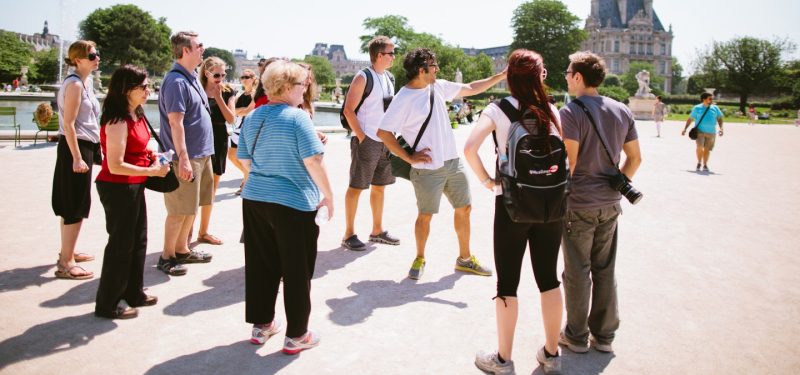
(630, 193)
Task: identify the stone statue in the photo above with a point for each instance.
(643, 78)
(459, 76)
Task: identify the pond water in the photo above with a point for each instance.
(25, 109)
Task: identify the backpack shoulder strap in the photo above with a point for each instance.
(512, 113)
(367, 88)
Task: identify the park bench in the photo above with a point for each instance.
(8, 119)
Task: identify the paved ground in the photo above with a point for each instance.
(707, 274)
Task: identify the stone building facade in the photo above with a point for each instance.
(40, 42)
(626, 31)
(338, 58)
(499, 59)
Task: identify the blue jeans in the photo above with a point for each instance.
(590, 286)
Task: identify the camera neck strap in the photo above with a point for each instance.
(597, 132)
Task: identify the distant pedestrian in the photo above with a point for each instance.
(244, 104)
(752, 116)
(185, 128)
(708, 116)
(436, 169)
(15, 83)
(78, 150)
(526, 74)
(221, 99)
(127, 163)
(288, 184)
(590, 229)
(659, 111)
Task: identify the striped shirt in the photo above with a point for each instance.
(277, 172)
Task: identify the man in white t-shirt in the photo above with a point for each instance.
(369, 166)
(436, 167)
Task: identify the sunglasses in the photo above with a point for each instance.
(144, 86)
(301, 84)
(218, 75)
(389, 53)
(93, 56)
(245, 77)
(568, 72)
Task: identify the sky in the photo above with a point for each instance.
(288, 28)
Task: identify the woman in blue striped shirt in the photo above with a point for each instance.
(280, 148)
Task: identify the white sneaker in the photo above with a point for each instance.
(262, 333)
(550, 365)
(307, 341)
(490, 363)
(605, 348)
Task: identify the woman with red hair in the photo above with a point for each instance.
(526, 74)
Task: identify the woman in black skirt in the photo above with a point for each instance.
(78, 149)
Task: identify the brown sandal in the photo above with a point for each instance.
(83, 257)
(209, 239)
(125, 313)
(62, 273)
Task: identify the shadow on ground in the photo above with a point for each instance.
(337, 258)
(227, 288)
(86, 291)
(53, 337)
(591, 363)
(375, 294)
(240, 356)
(21, 278)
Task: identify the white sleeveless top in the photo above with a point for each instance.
(87, 123)
(371, 112)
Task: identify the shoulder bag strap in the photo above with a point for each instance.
(155, 136)
(424, 124)
(594, 126)
(702, 117)
(192, 83)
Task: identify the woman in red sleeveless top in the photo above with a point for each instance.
(127, 162)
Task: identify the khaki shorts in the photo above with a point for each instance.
(429, 184)
(706, 140)
(189, 195)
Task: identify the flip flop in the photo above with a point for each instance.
(83, 257)
(67, 273)
(209, 239)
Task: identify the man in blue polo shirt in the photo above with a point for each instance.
(185, 128)
(707, 116)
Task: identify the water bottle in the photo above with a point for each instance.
(322, 216)
(166, 157)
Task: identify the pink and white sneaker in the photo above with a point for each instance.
(262, 333)
(307, 341)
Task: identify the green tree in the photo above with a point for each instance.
(677, 75)
(450, 58)
(612, 80)
(323, 71)
(46, 63)
(125, 34)
(745, 65)
(223, 54)
(549, 28)
(14, 53)
(631, 84)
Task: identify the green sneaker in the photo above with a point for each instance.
(417, 268)
(472, 265)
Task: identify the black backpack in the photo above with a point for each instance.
(534, 173)
(367, 91)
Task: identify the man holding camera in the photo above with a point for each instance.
(590, 233)
(708, 116)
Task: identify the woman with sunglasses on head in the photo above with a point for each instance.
(221, 103)
(78, 149)
(244, 105)
(128, 162)
(526, 74)
(309, 96)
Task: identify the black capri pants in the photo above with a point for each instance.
(279, 242)
(72, 198)
(510, 240)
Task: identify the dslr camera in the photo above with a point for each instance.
(622, 184)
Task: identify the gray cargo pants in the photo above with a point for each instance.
(590, 252)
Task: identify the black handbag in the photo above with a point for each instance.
(169, 182)
(400, 168)
(693, 132)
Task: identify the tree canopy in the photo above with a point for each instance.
(14, 53)
(744, 65)
(549, 28)
(223, 54)
(125, 34)
(450, 58)
(45, 66)
(323, 71)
